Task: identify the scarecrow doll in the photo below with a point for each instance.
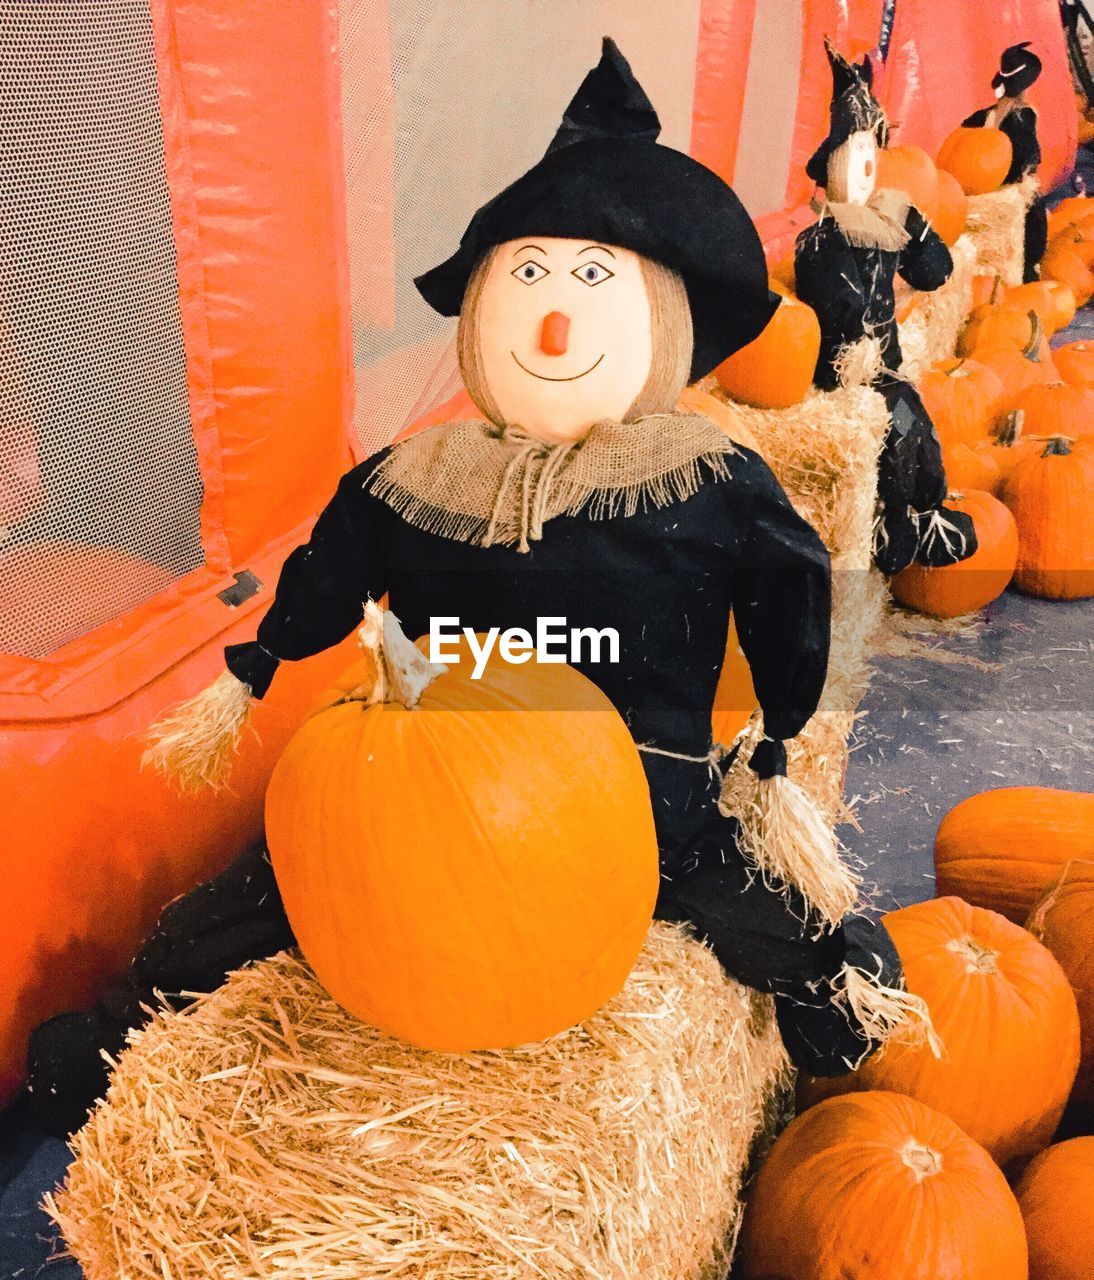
(589, 292)
(845, 264)
(1017, 118)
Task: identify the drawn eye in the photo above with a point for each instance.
(592, 273)
(530, 272)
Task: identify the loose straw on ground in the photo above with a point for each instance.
(265, 1133)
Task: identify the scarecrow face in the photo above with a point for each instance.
(564, 334)
(852, 169)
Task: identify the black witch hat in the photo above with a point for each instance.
(854, 110)
(1018, 69)
(605, 177)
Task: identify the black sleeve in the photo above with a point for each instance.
(1021, 128)
(827, 277)
(977, 120)
(324, 584)
(782, 602)
(925, 261)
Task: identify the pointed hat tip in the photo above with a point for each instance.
(609, 103)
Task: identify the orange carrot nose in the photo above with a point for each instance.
(552, 338)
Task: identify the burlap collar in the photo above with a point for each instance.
(475, 482)
(878, 224)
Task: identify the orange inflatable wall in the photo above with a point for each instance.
(251, 109)
(94, 848)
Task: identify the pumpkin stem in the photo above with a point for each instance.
(995, 286)
(1010, 428)
(924, 1162)
(978, 958)
(399, 672)
(1058, 446)
(1032, 349)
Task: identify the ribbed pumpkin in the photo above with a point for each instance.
(911, 170)
(962, 396)
(735, 698)
(978, 158)
(1075, 362)
(1056, 1197)
(1063, 262)
(1054, 302)
(1019, 367)
(951, 213)
(1064, 921)
(1005, 1015)
(776, 369)
(970, 468)
(1056, 409)
(470, 863)
(877, 1186)
(970, 584)
(1051, 495)
(1003, 325)
(1000, 848)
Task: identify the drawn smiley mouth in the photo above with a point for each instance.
(572, 378)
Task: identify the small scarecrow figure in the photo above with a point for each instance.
(1017, 118)
(845, 265)
(589, 293)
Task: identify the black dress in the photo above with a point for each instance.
(1020, 126)
(850, 287)
(666, 579)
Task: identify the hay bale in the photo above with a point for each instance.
(824, 452)
(935, 321)
(997, 228)
(266, 1133)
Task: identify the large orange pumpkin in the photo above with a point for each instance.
(1007, 1020)
(1075, 362)
(880, 1187)
(776, 369)
(978, 158)
(474, 869)
(962, 397)
(1056, 409)
(1000, 848)
(970, 468)
(1019, 367)
(1051, 495)
(1064, 921)
(1056, 1197)
(951, 213)
(1054, 302)
(911, 170)
(970, 584)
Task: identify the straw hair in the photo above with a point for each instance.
(887, 1015)
(996, 226)
(194, 746)
(783, 832)
(265, 1133)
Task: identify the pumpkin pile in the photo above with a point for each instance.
(1016, 425)
(923, 1165)
(1070, 252)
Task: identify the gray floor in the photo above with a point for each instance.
(932, 734)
